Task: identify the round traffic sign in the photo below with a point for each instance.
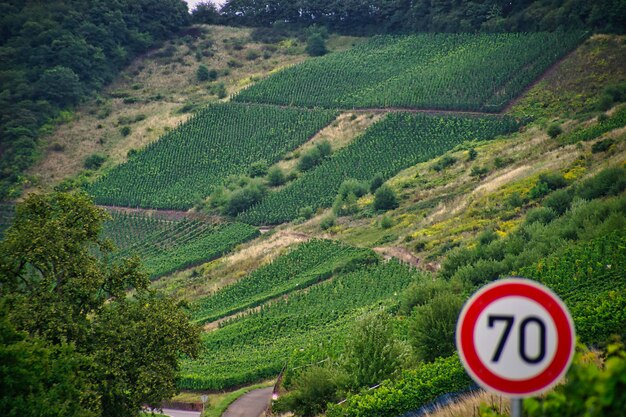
(515, 337)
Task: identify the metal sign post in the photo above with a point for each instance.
(515, 337)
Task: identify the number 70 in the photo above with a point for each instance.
(522, 340)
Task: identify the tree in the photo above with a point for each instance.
(385, 198)
(376, 183)
(61, 86)
(61, 292)
(432, 326)
(372, 354)
(275, 176)
(202, 74)
(315, 45)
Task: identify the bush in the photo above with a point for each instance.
(480, 172)
(244, 198)
(543, 215)
(385, 199)
(471, 154)
(315, 45)
(559, 201)
(602, 146)
(420, 293)
(325, 148)
(275, 176)
(554, 130)
(372, 354)
(252, 54)
(554, 180)
(202, 73)
(314, 388)
(306, 212)
(376, 182)
(611, 181)
(309, 160)
(95, 161)
(432, 326)
(125, 130)
(386, 222)
(444, 163)
(327, 222)
(257, 169)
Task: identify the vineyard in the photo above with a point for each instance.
(480, 72)
(6, 216)
(187, 163)
(307, 264)
(165, 246)
(257, 346)
(399, 141)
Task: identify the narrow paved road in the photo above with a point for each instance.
(180, 413)
(251, 404)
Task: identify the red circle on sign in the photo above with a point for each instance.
(548, 300)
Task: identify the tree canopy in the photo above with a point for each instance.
(69, 309)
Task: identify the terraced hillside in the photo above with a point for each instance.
(185, 165)
(165, 246)
(397, 142)
(480, 72)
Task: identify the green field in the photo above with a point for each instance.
(186, 164)
(305, 265)
(480, 72)
(165, 246)
(397, 142)
(257, 346)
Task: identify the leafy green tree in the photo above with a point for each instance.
(258, 169)
(275, 176)
(62, 293)
(372, 354)
(432, 326)
(376, 183)
(385, 198)
(61, 86)
(315, 45)
(202, 73)
(309, 159)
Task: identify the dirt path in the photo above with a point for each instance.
(180, 413)
(252, 404)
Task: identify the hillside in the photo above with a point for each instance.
(320, 218)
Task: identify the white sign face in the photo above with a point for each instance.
(515, 337)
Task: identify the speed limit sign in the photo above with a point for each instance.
(515, 337)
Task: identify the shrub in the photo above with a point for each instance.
(314, 388)
(95, 161)
(275, 176)
(376, 182)
(257, 169)
(432, 326)
(554, 180)
(559, 201)
(444, 163)
(477, 171)
(543, 215)
(554, 130)
(315, 45)
(420, 293)
(471, 154)
(602, 146)
(202, 73)
(327, 222)
(611, 181)
(386, 222)
(372, 354)
(252, 54)
(325, 148)
(309, 159)
(244, 198)
(385, 199)
(125, 130)
(306, 212)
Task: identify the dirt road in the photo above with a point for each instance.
(251, 404)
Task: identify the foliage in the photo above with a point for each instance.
(54, 54)
(244, 198)
(554, 130)
(59, 291)
(275, 176)
(305, 265)
(587, 133)
(372, 353)
(399, 141)
(315, 45)
(590, 390)
(376, 182)
(443, 71)
(307, 323)
(313, 388)
(349, 192)
(187, 163)
(411, 390)
(94, 161)
(385, 198)
(432, 326)
(611, 181)
(202, 73)
(258, 169)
